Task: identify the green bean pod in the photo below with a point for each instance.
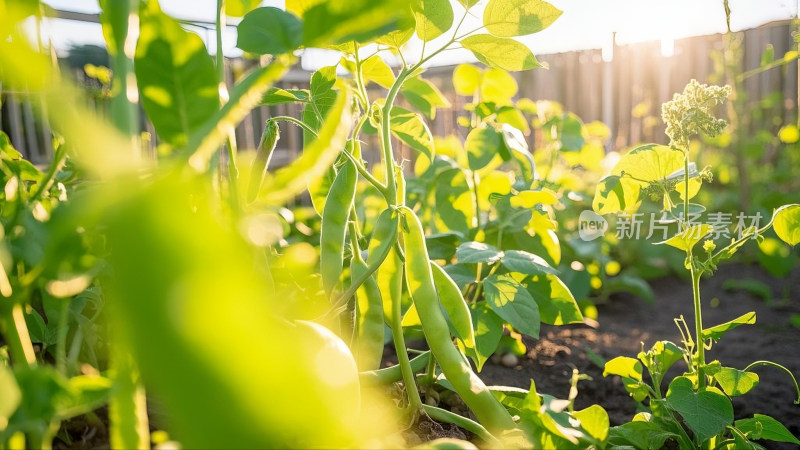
(258, 170)
(419, 279)
(334, 225)
(369, 318)
(389, 275)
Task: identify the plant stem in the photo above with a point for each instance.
(61, 342)
(698, 325)
(686, 186)
(16, 334)
(233, 169)
(467, 424)
(414, 400)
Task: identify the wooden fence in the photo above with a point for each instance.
(625, 93)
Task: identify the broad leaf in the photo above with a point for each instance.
(434, 17)
(500, 53)
(526, 263)
(640, 435)
(488, 331)
(375, 69)
(509, 18)
(594, 420)
(509, 299)
(625, 367)
(424, 96)
(736, 382)
(477, 252)
(557, 305)
(707, 411)
(529, 199)
(614, 194)
(269, 31)
(443, 245)
(412, 130)
(176, 77)
(765, 427)
(498, 87)
(11, 395)
(627, 283)
(786, 222)
(354, 20)
(715, 333)
(482, 145)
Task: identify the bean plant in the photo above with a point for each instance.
(695, 411)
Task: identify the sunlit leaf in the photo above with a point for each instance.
(594, 420)
(277, 96)
(455, 201)
(482, 145)
(736, 382)
(498, 86)
(238, 8)
(477, 252)
(509, 18)
(707, 411)
(411, 129)
(337, 22)
(375, 69)
(529, 199)
(765, 427)
(509, 299)
(176, 77)
(488, 331)
(466, 79)
(434, 17)
(687, 239)
(500, 53)
(716, 332)
(557, 306)
(424, 96)
(625, 367)
(786, 222)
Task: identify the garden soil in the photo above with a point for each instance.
(625, 322)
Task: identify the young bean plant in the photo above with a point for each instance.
(695, 411)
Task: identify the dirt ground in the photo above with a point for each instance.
(626, 321)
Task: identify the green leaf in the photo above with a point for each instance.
(707, 411)
(277, 96)
(454, 305)
(375, 69)
(481, 146)
(466, 79)
(442, 245)
(509, 299)
(641, 435)
(509, 18)
(526, 263)
(176, 77)
(412, 130)
(594, 420)
(238, 8)
(269, 31)
(434, 17)
(11, 395)
(326, 22)
(424, 96)
(614, 194)
(715, 333)
(625, 367)
(461, 274)
(500, 53)
(765, 427)
(786, 222)
(557, 305)
(661, 356)
(477, 252)
(689, 237)
(455, 203)
(488, 331)
(571, 137)
(736, 382)
(468, 3)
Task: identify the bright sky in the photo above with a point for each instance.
(585, 24)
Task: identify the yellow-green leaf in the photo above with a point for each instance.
(434, 17)
(689, 237)
(509, 18)
(786, 222)
(500, 53)
(375, 69)
(466, 79)
(498, 86)
(529, 199)
(624, 367)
